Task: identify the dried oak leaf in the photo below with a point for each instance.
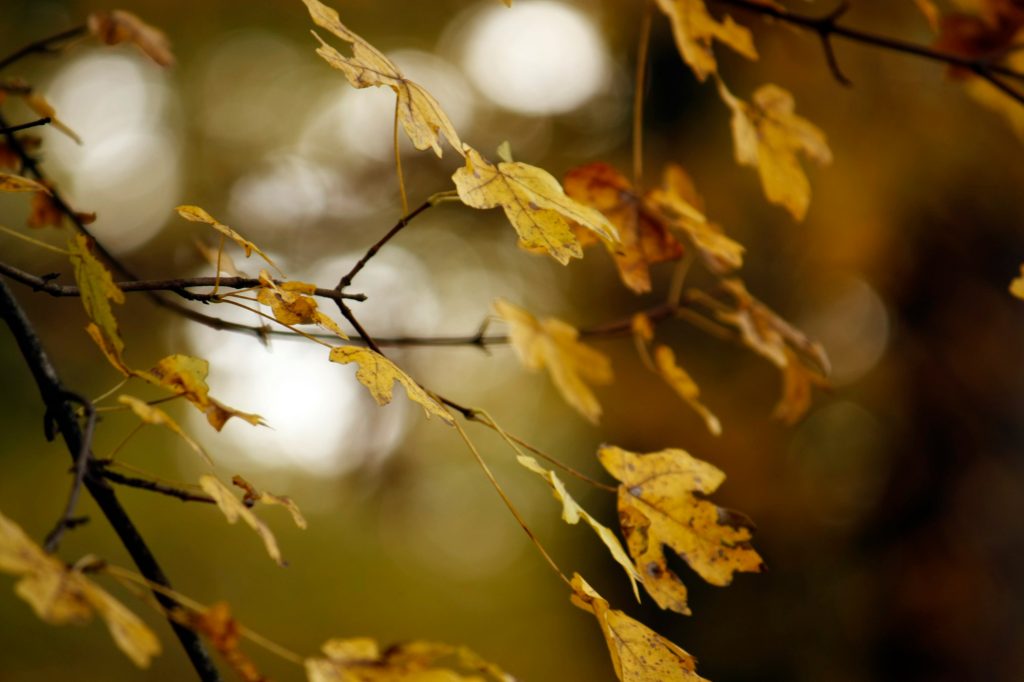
(422, 118)
(768, 135)
(379, 375)
(17, 183)
(554, 344)
(291, 305)
(533, 202)
(150, 414)
(98, 291)
(572, 512)
(61, 596)
(198, 215)
(186, 376)
(660, 504)
(361, 660)
(638, 653)
(234, 509)
(645, 237)
(695, 31)
(118, 26)
(223, 632)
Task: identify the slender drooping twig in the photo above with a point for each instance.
(828, 26)
(54, 396)
(24, 126)
(45, 45)
(81, 458)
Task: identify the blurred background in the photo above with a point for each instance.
(891, 517)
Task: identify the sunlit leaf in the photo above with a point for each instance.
(379, 374)
(198, 215)
(150, 414)
(118, 26)
(533, 202)
(553, 344)
(63, 596)
(768, 135)
(695, 31)
(661, 503)
(98, 291)
(291, 305)
(234, 509)
(645, 236)
(419, 113)
(572, 512)
(638, 653)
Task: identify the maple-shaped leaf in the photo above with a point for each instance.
(677, 203)
(98, 291)
(150, 414)
(684, 385)
(17, 183)
(768, 135)
(198, 215)
(118, 26)
(1017, 285)
(661, 503)
(186, 376)
(422, 118)
(291, 304)
(224, 633)
(534, 203)
(572, 512)
(361, 659)
(553, 344)
(638, 653)
(695, 31)
(253, 495)
(645, 237)
(379, 375)
(234, 509)
(60, 595)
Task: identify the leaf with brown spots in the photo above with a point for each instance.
(661, 503)
(638, 653)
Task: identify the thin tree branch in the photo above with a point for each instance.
(828, 26)
(31, 124)
(54, 397)
(81, 458)
(44, 46)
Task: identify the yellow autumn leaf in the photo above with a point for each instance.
(1017, 285)
(662, 503)
(17, 183)
(291, 305)
(379, 374)
(422, 118)
(151, 414)
(685, 386)
(638, 653)
(361, 659)
(233, 509)
(253, 495)
(98, 291)
(198, 215)
(695, 31)
(186, 376)
(553, 344)
(768, 135)
(534, 203)
(572, 512)
(61, 596)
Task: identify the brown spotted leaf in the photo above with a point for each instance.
(661, 503)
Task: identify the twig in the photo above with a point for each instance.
(52, 391)
(828, 26)
(45, 45)
(82, 458)
(399, 226)
(31, 124)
